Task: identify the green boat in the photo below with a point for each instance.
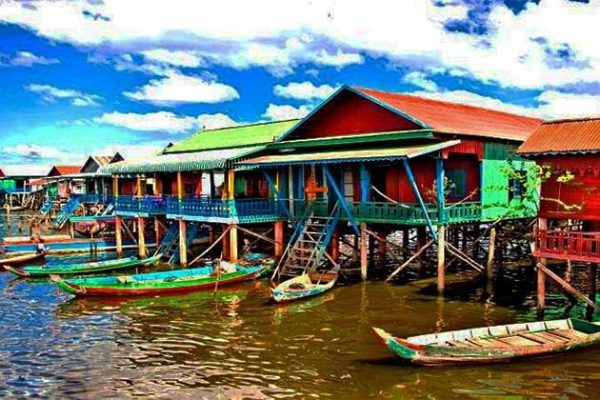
(83, 268)
(177, 281)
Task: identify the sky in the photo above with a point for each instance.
(80, 77)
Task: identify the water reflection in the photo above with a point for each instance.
(237, 344)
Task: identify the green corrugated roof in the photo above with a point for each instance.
(195, 161)
(237, 136)
(393, 153)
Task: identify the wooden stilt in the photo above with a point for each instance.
(119, 234)
(182, 243)
(158, 231)
(278, 238)
(334, 245)
(492, 249)
(421, 237)
(72, 230)
(565, 285)
(213, 244)
(233, 243)
(142, 252)
(441, 259)
(226, 245)
(382, 251)
(363, 252)
(591, 290)
(407, 262)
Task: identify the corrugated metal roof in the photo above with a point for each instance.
(237, 136)
(455, 118)
(64, 170)
(195, 161)
(25, 171)
(564, 136)
(388, 154)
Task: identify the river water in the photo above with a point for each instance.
(236, 344)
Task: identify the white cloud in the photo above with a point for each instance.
(177, 88)
(175, 58)
(34, 152)
(421, 80)
(339, 59)
(51, 94)
(26, 59)
(277, 112)
(133, 151)
(165, 121)
(303, 91)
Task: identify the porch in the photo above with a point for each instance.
(145, 206)
(567, 245)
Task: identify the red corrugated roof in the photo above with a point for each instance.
(455, 118)
(564, 136)
(59, 170)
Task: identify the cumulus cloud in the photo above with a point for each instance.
(175, 58)
(51, 94)
(420, 79)
(303, 91)
(165, 121)
(176, 88)
(26, 59)
(34, 152)
(275, 112)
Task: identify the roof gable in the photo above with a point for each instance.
(2, 174)
(237, 136)
(60, 170)
(455, 118)
(564, 136)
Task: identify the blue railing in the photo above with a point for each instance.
(203, 207)
(141, 205)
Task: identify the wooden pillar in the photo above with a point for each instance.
(233, 243)
(334, 245)
(182, 243)
(363, 252)
(492, 249)
(382, 250)
(158, 185)
(138, 186)
(421, 240)
(211, 234)
(441, 259)
(116, 186)
(541, 277)
(119, 234)
(278, 238)
(589, 312)
(158, 231)
(71, 230)
(180, 192)
(226, 246)
(142, 237)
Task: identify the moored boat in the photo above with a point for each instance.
(178, 281)
(83, 268)
(305, 285)
(501, 343)
(21, 259)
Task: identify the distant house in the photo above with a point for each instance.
(94, 162)
(62, 187)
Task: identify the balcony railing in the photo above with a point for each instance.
(140, 206)
(568, 245)
(207, 209)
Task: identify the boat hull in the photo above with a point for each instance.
(22, 259)
(285, 294)
(433, 355)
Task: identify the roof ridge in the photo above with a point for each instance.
(361, 89)
(247, 125)
(566, 120)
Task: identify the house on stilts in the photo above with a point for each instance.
(567, 153)
(382, 162)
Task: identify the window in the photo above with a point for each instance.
(515, 185)
(457, 181)
(348, 185)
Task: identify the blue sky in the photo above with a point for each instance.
(95, 76)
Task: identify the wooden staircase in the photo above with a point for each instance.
(67, 210)
(307, 246)
(169, 247)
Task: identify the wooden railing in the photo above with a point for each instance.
(568, 245)
(207, 208)
(146, 205)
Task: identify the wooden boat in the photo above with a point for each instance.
(83, 268)
(502, 343)
(22, 259)
(305, 285)
(178, 281)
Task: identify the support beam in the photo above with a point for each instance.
(441, 259)
(407, 262)
(213, 244)
(116, 186)
(565, 285)
(233, 243)
(275, 190)
(119, 234)
(415, 189)
(342, 200)
(180, 192)
(440, 188)
(183, 243)
(278, 238)
(364, 262)
(334, 245)
(139, 186)
(142, 252)
(158, 231)
(226, 244)
(492, 249)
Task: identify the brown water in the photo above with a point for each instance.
(236, 344)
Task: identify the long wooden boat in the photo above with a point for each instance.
(501, 343)
(83, 268)
(178, 281)
(22, 259)
(305, 285)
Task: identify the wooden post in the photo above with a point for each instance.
(278, 238)
(441, 259)
(158, 231)
(211, 234)
(589, 312)
(334, 245)
(233, 243)
(71, 230)
(382, 250)
(139, 186)
(182, 242)
(179, 185)
(363, 252)
(119, 234)
(116, 186)
(492, 249)
(226, 246)
(142, 237)
(541, 277)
